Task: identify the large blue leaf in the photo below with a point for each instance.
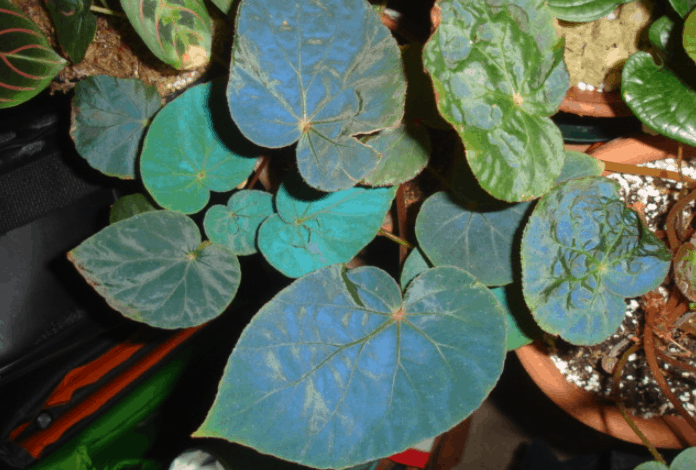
(583, 252)
(318, 73)
(337, 369)
(313, 229)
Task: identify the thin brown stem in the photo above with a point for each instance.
(394, 238)
(673, 217)
(257, 172)
(644, 171)
(674, 362)
(626, 415)
(401, 222)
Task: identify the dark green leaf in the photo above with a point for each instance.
(577, 165)
(318, 73)
(75, 25)
(192, 148)
(580, 11)
(683, 7)
(237, 224)
(313, 229)
(497, 76)
(420, 96)
(583, 253)
(128, 206)
(154, 269)
(660, 32)
(689, 35)
(659, 99)
(27, 62)
(338, 370)
(226, 6)
(178, 32)
(403, 151)
(110, 116)
(475, 239)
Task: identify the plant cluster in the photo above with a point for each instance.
(342, 355)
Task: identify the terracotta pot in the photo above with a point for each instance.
(592, 103)
(587, 407)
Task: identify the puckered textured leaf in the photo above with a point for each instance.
(338, 369)
(317, 73)
(192, 148)
(178, 32)
(314, 229)
(27, 63)
(659, 99)
(498, 73)
(75, 25)
(583, 253)
(110, 116)
(153, 268)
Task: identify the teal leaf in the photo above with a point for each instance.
(683, 7)
(154, 269)
(581, 11)
(652, 465)
(192, 148)
(237, 224)
(659, 99)
(498, 75)
(75, 25)
(583, 253)
(686, 460)
(313, 229)
(414, 264)
(660, 32)
(178, 32)
(338, 370)
(476, 239)
(316, 73)
(110, 116)
(403, 151)
(521, 327)
(577, 165)
(27, 62)
(128, 206)
(689, 35)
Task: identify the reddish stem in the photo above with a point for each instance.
(255, 178)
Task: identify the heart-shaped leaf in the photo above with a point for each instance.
(659, 99)
(317, 73)
(237, 224)
(27, 62)
(580, 11)
(583, 252)
(128, 206)
(110, 116)
(154, 269)
(313, 229)
(686, 460)
(497, 79)
(178, 32)
(477, 240)
(337, 369)
(404, 152)
(689, 35)
(414, 264)
(683, 7)
(75, 25)
(577, 165)
(192, 148)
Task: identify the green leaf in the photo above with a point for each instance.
(577, 165)
(128, 206)
(313, 229)
(660, 32)
(583, 253)
(237, 224)
(685, 270)
(581, 11)
(110, 116)
(178, 32)
(521, 328)
(686, 460)
(683, 7)
(414, 264)
(225, 6)
(75, 25)
(316, 73)
(154, 269)
(497, 79)
(192, 148)
(659, 99)
(476, 239)
(338, 370)
(689, 35)
(27, 62)
(652, 465)
(403, 151)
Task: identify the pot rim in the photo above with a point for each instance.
(593, 103)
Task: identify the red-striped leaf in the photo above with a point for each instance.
(27, 62)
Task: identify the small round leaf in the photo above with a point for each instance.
(403, 151)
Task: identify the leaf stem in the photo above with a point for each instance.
(401, 223)
(106, 11)
(257, 172)
(672, 218)
(394, 238)
(643, 171)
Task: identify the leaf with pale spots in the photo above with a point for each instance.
(338, 357)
